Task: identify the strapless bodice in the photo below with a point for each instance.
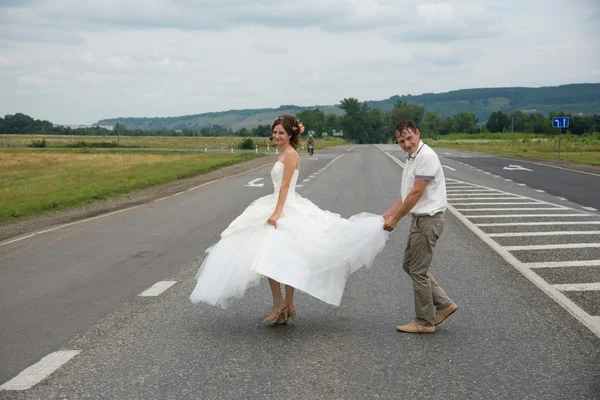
(277, 177)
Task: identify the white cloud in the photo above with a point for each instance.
(443, 22)
(32, 81)
(76, 62)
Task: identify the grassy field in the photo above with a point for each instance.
(39, 182)
(154, 142)
(573, 149)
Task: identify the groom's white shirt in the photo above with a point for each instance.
(425, 165)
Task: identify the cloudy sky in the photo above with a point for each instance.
(75, 62)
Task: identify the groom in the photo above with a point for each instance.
(424, 197)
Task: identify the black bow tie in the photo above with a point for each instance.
(410, 157)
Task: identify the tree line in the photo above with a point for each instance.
(370, 125)
(360, 123)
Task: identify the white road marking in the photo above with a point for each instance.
(468, 190)
(157, 288)
(299, 186)
(450, 168)
(306, 180)
(540, 190)
(566, 169)
(590, 208)
(497, 203)
(490, 193)
(521, 184)
(516, 168)
(527, 215)
(254, 183)
(508, 180)
(543, 223)
(40, 370)
(577, 287)
(550, 233)
(561, 264)
(515, 197)
(560, 246)
(561, 198)
(513, 209)
(590, 322)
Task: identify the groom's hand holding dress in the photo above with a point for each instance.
(401, 208)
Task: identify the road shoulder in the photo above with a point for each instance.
(132, 199)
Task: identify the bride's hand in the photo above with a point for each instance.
(273, 219)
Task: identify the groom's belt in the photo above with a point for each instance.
(425, 215)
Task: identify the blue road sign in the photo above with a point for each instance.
(560, 122)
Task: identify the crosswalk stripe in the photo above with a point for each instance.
(577, 287)
(542, 223)
(561, 264)
(513, 209)
(527, 215)
(551, 233)
(553, 246)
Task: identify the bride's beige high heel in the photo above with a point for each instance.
(280, 318)
(292, 314)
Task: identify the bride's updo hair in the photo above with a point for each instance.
(292, 127)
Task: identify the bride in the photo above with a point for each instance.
(288, 239)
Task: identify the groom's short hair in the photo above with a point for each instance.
(403, 126)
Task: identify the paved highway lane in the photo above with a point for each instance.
(510, 338)
(578, 186)
(59, 283)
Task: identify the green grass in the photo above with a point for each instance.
(39, 182)
(573, 149)
(152, 142)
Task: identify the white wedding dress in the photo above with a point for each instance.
(311, 249)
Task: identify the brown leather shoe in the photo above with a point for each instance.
(415, 327)
(441, 315)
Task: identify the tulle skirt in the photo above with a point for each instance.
(311, 249)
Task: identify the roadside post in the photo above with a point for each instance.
(560, 122)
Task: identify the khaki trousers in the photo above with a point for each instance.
(424, 233)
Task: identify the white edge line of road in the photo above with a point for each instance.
(39, 371)
(590, 322)
(123, 210)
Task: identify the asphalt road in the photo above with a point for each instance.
(581, 187)
(514, 336)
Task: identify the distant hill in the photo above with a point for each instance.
(575, 98)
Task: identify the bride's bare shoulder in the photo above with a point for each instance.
(295, 157)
